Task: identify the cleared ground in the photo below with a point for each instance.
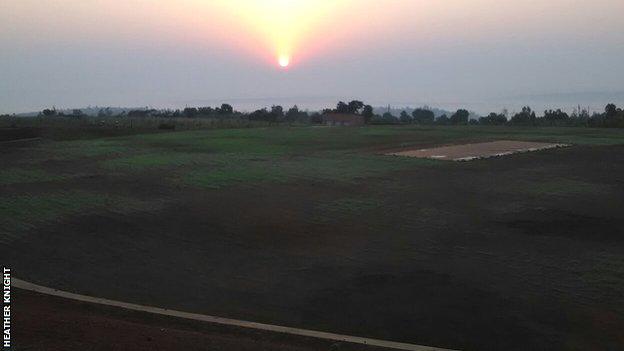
(216, 320)
(469, 152)
(53, 324)
(314, 228)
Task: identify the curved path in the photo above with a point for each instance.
(20, 284)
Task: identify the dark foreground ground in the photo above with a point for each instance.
(45, 323)
(314, 228)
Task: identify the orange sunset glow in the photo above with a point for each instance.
(282, 27)
(275, 30)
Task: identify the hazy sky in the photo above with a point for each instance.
(74, 53)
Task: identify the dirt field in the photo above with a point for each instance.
(469, 152)
(312, 228)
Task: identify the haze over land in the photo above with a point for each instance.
(483, 55)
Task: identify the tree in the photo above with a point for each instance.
(405, 117)
(49, 112)
(266, 115)
(278, 112)
(226, 109)
(389, 118)
(368, 113)
(205, 111)
(105, 112)
(259, 115)
(316, 118)
(341, 107)
(443, 120)
(137, 113)
(292, 114)
(423, 116)
(493, 119)
(190, 112)
(460, 117)
(386, 118)
(613, 116)
(610, 111)
(553, 117)
(524, 118)
(354, 107)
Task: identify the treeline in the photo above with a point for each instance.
(354, 107)
(225, 111)
(612, 117)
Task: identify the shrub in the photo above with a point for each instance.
(166, 126)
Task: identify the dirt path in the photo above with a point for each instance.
(20, 284)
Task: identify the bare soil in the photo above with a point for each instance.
(469, 152)
(45, 323)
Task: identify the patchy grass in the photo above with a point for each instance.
(68, 150)
(219, 141)
(339, 209)
(236, 169)
(348, 168)
(18, 214)
(150, 161)
(220, 178)
(576, 136)
(563, 187)
(220, 158)
(351, 206)
(21, 176)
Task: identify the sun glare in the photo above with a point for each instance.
(284, 61)
(283, 25)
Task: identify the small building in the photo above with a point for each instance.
(343, 120)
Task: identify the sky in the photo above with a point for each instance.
(483, 54)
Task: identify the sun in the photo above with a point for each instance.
(284, 61)
(280, 29)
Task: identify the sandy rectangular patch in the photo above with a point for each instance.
(468, 152)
